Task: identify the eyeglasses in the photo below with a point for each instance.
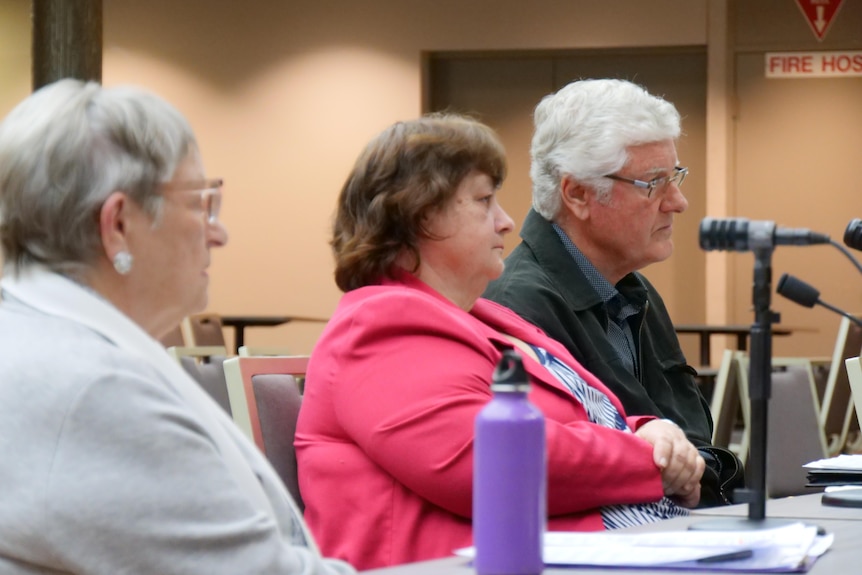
(210, 192)
(661, 183)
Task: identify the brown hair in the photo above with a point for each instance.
(405, 173)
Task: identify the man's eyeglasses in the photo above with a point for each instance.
(210, 192)
(660, 183)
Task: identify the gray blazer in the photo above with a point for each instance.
(106, 469)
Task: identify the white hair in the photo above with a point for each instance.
(583, 130)
(64, 150)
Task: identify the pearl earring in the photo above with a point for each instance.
(123, 262)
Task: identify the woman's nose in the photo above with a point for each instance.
(505, 223)
(217, 235)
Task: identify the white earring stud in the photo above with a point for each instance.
(123, 262)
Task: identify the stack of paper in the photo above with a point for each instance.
(840, 470)
(791, 548)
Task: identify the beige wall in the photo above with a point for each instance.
(797, 149)
(283, 94)
(14, 52)
(503, 88)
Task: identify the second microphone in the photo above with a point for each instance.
(742, 235)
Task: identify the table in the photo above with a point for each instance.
(741, 332)
(798, 507)
(240, 322)
(844, 556)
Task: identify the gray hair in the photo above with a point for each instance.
(64, 150)
(583, 130)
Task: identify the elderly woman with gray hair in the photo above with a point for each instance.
(114, 461)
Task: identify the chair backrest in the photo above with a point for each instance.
(272, 351)
(836, 411)
(854, 377)
(265, 402)
(724, 403)
(204, 364)
(251, 351)
(794, 435)
(203, 329)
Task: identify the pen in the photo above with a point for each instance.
(731, 556)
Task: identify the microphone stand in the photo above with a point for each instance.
(760, 384)
(760, 390)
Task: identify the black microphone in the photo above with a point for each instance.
(742, 235)
(807, 295)
(853, 234)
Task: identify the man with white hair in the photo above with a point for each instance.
(606, 186)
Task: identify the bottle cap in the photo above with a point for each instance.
(510, 375)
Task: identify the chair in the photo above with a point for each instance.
(204, 364)
(794, 435)
(271, 351)
(724, 403)
(265, 402)
(854, 378)
(252, 351)
(836, 413)
(203, 329)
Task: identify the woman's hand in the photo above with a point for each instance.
(679, 461)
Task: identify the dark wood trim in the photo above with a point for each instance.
(67, 40)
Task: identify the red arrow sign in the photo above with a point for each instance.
(819, 14)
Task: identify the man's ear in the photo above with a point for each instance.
(575, 197)
(113, 224)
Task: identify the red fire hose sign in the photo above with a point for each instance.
(819, 14)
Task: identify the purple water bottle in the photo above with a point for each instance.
(509, 476)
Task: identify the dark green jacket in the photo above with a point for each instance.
(544, 285)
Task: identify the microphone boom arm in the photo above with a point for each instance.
(841, 312)
(847, 253)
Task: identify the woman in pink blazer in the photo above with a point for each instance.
(385, 435)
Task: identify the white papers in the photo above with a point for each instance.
(784, 549)
(839, 463)
(840, 470)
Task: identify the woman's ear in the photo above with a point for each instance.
(113, 224)
(575, 197)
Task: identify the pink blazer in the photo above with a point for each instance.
(385, 435)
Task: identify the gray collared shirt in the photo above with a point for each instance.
(618, 308)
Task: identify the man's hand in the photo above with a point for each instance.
(679, 461)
